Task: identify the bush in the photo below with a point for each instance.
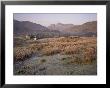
(21, 53)
(84, 48)
(50, 50)
(70, 50)
(43, 60)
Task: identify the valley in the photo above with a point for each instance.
(59, 49)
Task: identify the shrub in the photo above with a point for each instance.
(89, 55)
(21, 53)
(83, 47)
(50, 50)
(70, 50)
(43, 60)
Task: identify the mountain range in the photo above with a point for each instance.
(59, 29)
(75, 29)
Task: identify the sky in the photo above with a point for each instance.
(46, 19)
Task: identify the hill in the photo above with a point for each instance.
(86, 29)
(54, 30)
(29, 28)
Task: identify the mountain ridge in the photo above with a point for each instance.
(76, 28)
(59, 29)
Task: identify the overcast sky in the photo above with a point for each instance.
(47, 19)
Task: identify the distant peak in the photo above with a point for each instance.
(90, 22)
(59, 24)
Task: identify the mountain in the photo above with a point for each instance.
(26, 27)
(29, 28)
(86, 29)
(60, 27)
(54, 30)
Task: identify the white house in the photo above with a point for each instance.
(35, 38)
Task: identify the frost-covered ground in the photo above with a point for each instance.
(54, 65)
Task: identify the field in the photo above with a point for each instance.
(71, 55)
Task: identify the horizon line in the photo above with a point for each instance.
(55, 23)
